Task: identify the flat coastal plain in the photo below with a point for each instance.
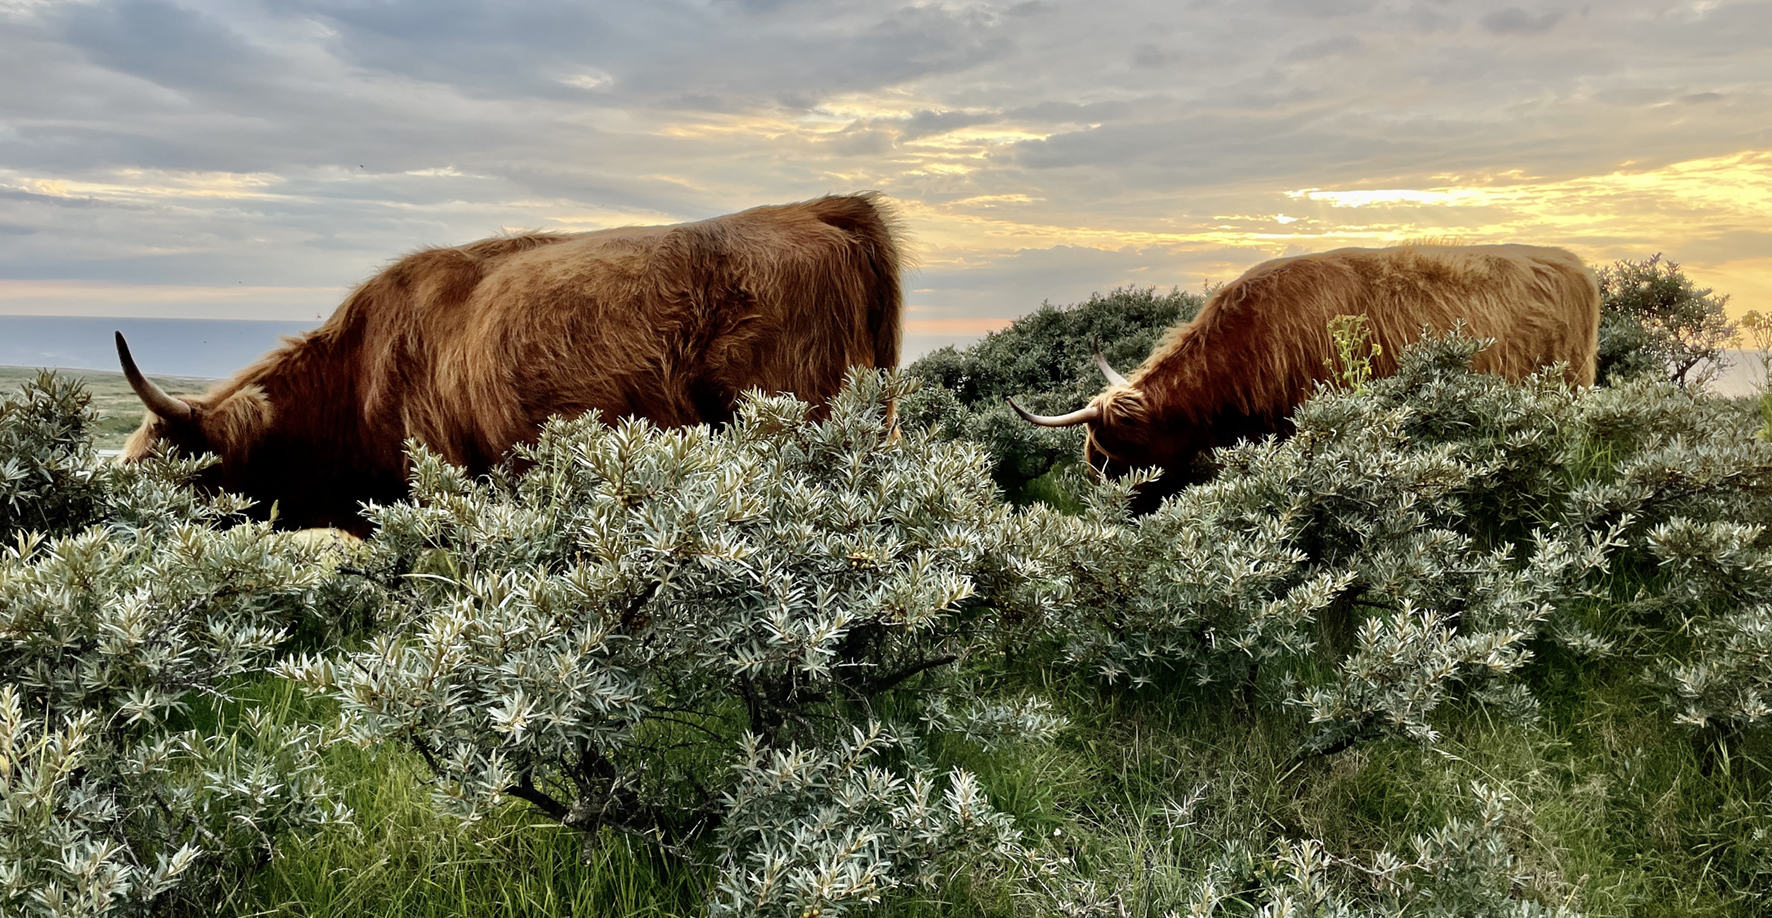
(119, 411)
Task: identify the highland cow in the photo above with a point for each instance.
(468, 350)
(1262, 344)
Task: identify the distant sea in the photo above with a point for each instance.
(211, 348)
(163, 347)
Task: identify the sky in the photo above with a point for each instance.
(258, 158)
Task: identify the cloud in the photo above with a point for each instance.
(159, 42)
(926, 123)
(1065, 274)
(1322, 9)
(484, 49)
(1147, 55)
(1516, 21)
(1326, 47)
(704, 56)
(1042, 150)
(859, 140)
(1730, 245)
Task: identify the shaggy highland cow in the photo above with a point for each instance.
(1262, 343)
(469, 349)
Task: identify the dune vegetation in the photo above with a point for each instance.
(1458, 646)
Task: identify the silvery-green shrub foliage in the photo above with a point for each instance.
(1409, 544)
(1461, 869)
(1689, 486)
(1720, 592)
(121, 640)
(809, 831)
(122, 764)
(48, 475)
(51, 481)
(1660, 452)
(1348, 542)
(674, 633)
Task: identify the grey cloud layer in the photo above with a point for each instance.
(727, 55)
(1143, 113)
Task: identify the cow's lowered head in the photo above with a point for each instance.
(228, 421)
(1126, 430)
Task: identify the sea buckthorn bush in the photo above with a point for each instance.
(48, 477)
(696, 637)
(132, 614)
(820, 666)
(1412, 542)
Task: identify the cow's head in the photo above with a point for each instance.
(1127, 431)
(228, 422)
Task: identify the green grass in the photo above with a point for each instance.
(400, 857)
(1616, 808)
(120, 412)
(1052, 488)
(403, 859)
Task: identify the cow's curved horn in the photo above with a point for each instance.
(172, 409)
(1080, 416)
(1107, 369)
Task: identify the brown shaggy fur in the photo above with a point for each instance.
(1261, 343)
(469, 349)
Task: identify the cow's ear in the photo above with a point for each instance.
(238, 421)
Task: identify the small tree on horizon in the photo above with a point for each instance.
(1655, 319)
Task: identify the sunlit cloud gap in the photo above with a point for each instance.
(1702, 195)
(1740, 184)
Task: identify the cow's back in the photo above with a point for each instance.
(1539, 304)
(669, 323)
